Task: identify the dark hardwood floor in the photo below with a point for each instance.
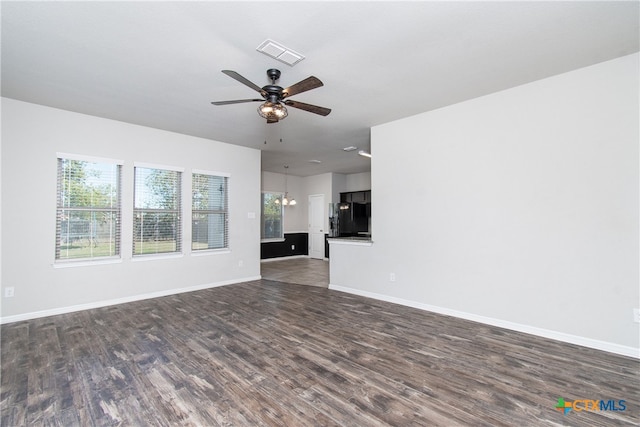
(302, 271)
(267, 353)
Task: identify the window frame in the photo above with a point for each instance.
(115, 210)
(263, 239)
(179, 212)
(226, 211)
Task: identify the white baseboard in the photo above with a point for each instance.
(98, 304)
(532, 330)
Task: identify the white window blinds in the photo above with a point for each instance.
(88, 210)
(157, 224)
(210, 213)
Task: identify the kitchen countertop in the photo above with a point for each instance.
(353, 240)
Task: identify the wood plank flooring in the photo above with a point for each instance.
(267, 353)
(302, 271)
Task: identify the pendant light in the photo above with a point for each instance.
(285, 199)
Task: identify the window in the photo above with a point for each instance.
(157, 224)
(209, 220)
(272, 216)
(88, 209)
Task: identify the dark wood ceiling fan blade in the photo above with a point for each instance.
(237, 101)
(242, 80)
(302, 86)
(308, 107)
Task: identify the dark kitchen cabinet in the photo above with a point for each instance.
(356, 197)
(354, 213)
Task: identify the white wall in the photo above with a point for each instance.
(272, 182)
(339, 185)
(519, 208)
(31, 137)
(295, 217)
(358, 182)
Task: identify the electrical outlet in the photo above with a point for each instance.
(293, 247)
(392, 277)
(636, 315)
(240, 263)
(9, 292)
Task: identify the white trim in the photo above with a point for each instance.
(99, 304)
(157, 166)
(210, 173)
(348, 241)
(92, 159)
(84, 262)
(202, 252)
(527, 329)
(282, 258)
(161, 255)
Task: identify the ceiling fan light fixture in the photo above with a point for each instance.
(272, 111)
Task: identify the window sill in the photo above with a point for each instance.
(154, 257)
(85, 263)
(205, 252)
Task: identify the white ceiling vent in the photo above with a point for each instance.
(279, 52)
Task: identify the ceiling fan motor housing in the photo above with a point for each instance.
(272, 93)
(273, 74)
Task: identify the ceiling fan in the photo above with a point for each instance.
(275, 96)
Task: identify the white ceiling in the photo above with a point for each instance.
(158, 64)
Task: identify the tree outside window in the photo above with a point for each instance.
(88, 210)
(157, 223)
(272, 216)
(209, 223)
